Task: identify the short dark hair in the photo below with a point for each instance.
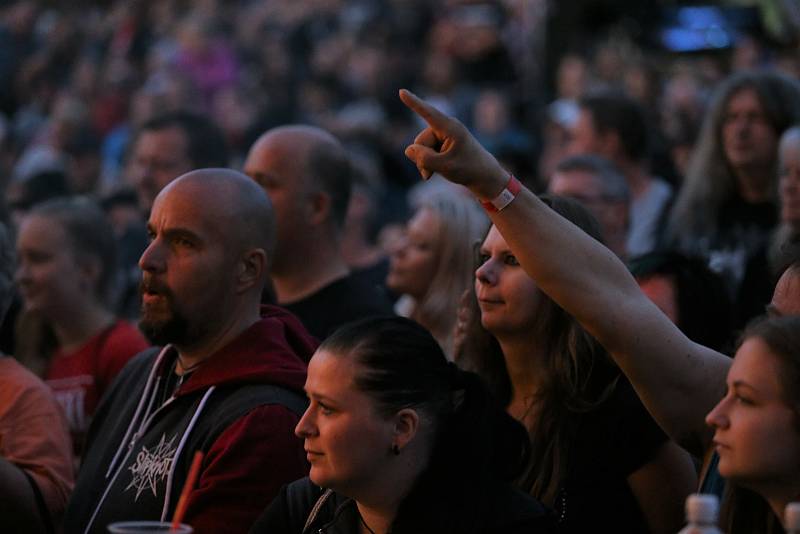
(330, 168)
(615, 187)
(206, 142)
(614, 111)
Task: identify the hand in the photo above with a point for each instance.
(446, 147)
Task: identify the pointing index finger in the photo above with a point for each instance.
(435, 118)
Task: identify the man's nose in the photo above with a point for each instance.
(152, 259)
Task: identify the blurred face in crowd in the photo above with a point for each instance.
(789, 179)
(748, 139)
(277, 163)
(347, 441)
(413, 263)
(158, 157)
(189, 267)
(586, 187)
(585, 139)
(508, 298)
(756, 432)
(50, 276)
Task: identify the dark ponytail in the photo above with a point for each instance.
(477, 446)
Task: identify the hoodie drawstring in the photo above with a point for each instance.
(148, 386)
(178, 451)
(149, 391)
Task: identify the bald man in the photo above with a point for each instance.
(307, 174)
(228, 380)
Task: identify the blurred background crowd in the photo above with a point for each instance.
(675, 124)
(79, 79)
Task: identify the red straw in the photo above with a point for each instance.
(194, 471)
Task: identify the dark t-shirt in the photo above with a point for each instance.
(736, 250)
(342, 301)
(612, 442)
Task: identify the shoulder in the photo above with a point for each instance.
(21, 390)
(297, 503)
(118, 345)
(260, 442)
(258, 404)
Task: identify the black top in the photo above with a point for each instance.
(612, 442)
(738, 252)
(290, 511)
(342, 301)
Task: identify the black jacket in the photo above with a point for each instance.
(332, 513)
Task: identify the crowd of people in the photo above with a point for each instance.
(215, 239)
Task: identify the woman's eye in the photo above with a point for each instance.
(511, 260)
(483, 258)
(743, 400)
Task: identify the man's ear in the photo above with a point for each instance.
(251, 269)
(320, 207)
(406, 426)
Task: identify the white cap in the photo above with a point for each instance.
(702, 508)
(791, 516)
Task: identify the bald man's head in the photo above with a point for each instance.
(309, 157)
(234, 203)
(207, 261)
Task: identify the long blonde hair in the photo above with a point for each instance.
(462, 223)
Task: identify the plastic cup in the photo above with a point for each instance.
(147, 527)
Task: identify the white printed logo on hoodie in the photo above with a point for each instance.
(152, 467)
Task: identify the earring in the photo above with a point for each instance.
(395, 449)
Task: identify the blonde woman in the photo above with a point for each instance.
(432, 266)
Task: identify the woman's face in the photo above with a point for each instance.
(48, 273)
(413, 264)
(789, 181)
(508, 298)
(346, 440)
(756, 433)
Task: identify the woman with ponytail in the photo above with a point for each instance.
(401, 441)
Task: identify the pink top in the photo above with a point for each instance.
(34, 434)
(79, 379)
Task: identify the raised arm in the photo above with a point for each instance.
(678, 380)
